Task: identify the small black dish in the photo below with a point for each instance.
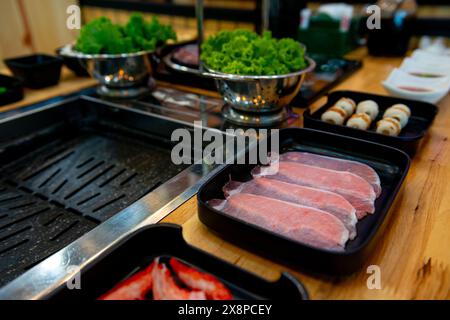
(37, 70)
(391, 164)
(73, 64)
(422, 116)
(140, 248)
(11, 90)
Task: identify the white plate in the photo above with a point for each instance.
(437, 87)
(431, 58)
(419, 67)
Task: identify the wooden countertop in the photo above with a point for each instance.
(69, 83)
(413, 252)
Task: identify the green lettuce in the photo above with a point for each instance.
(243, 52)
(102, 36)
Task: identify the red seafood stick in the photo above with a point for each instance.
(303, 224)
(352, 187)
(133, 288)
(165, 287)
(321, 199)
(191, 277)
(358, 168)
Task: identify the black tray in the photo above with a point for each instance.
(36, 71)
(330, 71)
(73, 64)
(14, 87)
(391, 165)
(140, 248)
(422, 116)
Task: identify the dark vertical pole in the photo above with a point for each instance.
(284, 17)
(200, 27)
(262, 15)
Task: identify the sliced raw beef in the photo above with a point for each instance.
(324, 200)
(304, 224)
(358, 168)
(352, 187)
(187, 54)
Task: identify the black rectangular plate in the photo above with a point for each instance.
(422, 116)
(140, 248)
(37, 70)
(391, 164)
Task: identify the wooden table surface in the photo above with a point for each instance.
(413, 252)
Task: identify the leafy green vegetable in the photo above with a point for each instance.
(3, 90)
(103, 36)
(148, 35)
(243, 52)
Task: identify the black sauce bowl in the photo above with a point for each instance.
(13, 90)
(37, 70)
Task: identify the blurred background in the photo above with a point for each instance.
(39, 26)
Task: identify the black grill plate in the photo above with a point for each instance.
(59, 183)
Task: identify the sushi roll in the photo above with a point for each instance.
(368, 107)
(403, 107)
(334, 115)
(359, 121)
(389, 127)
(399, 112)
(346, 104)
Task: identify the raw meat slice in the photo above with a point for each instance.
(195, 279)
(358, 168)
(304, 224)
(321, 199)
(187, 54)
(352, 187)
(134, 288)
(165, 287)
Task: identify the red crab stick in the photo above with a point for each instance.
(195, 279)
(165, 287)
(133, 288)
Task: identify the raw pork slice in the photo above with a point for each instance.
(358, 168)
(304, 224)
(352, 187)
(324, 200)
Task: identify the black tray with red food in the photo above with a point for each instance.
(157, 261)
(422, 116)
(390, 164)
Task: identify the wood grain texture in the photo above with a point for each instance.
(33, 26)
(69, 83)
(412, 252)
(13, 41)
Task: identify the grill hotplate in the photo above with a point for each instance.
(76, 170)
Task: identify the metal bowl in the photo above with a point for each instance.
(118, 74)
(260, 93)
